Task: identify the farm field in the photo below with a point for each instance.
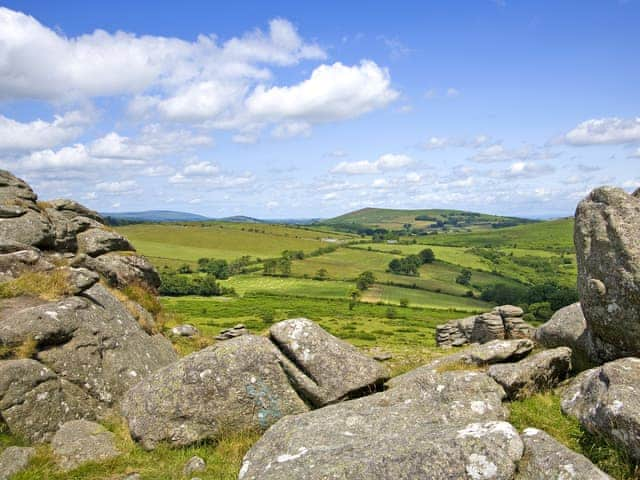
(174, 244)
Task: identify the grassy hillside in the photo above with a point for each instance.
(175, 244)
(392, 219)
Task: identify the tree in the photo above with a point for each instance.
(404, 302)
(465, 277)
(321, 274)
(284, 265)
(365, 280)
(354, 298)
(270, 267)
(184, 268)
(427, 255)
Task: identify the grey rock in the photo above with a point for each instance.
(14, 264)
(122, 270)
(448, 426)
(568, 327)
(509, 311)
(606, 402)
(194, 464)
(492, 352)
(79, 441)
(91, 340)
(81, 279)
(12, 187)
(132, 476)
(72, 209)
(98, 241)
(487, 327)
(336, 368)
(230, 386)
(545, 458)
(67, 225)
(184, 330)
(607, 228)
(34, 401)
(15, 459)
(536, 373)
(31, 228)
(382, 356)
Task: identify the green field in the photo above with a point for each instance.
(174, 244)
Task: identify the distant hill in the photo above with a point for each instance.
(153, 216)
(240, 219)
(434, 219)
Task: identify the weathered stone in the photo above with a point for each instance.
(545, 458)
(31, 228)
(71, 209)
(447, 426)
(81, 279)
(338, 369)
(34, 401)
(67, 225)
(184, 330)
(194, 465)
(12, 187)
(509, 311)
(92, 341)
(568, 327)
(486, 328)
(493, 352)
(607, 228)
(122, 270)
(15, 459)
(232, 385)
(382, 356)
(14, 264)
(606, 402)
(79, 441)
(536, 373)
(98, 241)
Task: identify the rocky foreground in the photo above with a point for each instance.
(86, 352)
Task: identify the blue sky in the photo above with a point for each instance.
(293, 109)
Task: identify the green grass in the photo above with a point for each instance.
(542, 411)
(257, 283)
(223, 460)
(174, 244)
(421, 298)
(555, 236)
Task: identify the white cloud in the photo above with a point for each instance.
(452, 92)
(435, 143)
(118, 188)
(333, 92)
(330, 196)
(200, 169)
(612, 130)
(635, 154)
(292, 129)
(39, 62)
(498, 153)
(39, 134)
(388, 161)
(272, 204)
(524, 169)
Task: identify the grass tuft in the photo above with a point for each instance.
(543, 411)
(51, 285)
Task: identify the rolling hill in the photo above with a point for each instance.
(156, 216)
(432, 219)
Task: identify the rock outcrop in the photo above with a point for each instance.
(503, 322)
(536, 373)
(337, 369)
(448, 425)
(15, 459)
(605, 401)
(231, 386)
(607, 228)
(85, 348)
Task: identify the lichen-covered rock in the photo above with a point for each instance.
(122, 270)
(448, 426)
(607, 229)
(337, 368)
(606, 402)
(15, 263)
(98, 241)
(185, 330)
(80, 441)
(67, 224)
(15, 459)
(34, 401)
(545, 458)
(91, 341)
(536, 373)
(492, 352)
(568, 328)
(194, 465)
(232, 385)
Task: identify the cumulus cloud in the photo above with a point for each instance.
(39, 134)
(524, 169)
(611, 130)
(333, 92)
(388, 161)
(498, 153)
(292, 129)
(118, 188)
(42, 63)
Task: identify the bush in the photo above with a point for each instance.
(404, 302)
(365, 280)
(391, 313)
(465, 277)
(181, 285)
